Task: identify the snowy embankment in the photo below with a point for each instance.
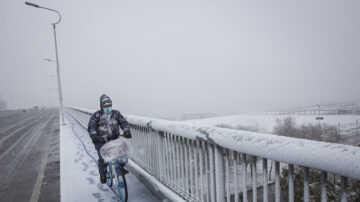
(341, 159)
(266, 123)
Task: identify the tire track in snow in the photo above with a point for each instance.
(22, 137)
(17, 128)
(39, 179)
(33, 134)
(14, 123)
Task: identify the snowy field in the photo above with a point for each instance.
(266, 123)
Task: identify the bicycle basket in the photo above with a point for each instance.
(116, 150)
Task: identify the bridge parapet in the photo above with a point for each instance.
(202, 163)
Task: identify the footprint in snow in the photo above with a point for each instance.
(91, 180)
(98, 196)
(102, 187)
(93, 173)
(86, 166)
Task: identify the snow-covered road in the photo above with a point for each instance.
(79, 172)
(29, 155)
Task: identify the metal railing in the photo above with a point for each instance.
(215, 164)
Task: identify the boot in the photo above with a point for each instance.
(103, 179)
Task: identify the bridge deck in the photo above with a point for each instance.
(79, 173)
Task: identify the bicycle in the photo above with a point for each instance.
(114, 154)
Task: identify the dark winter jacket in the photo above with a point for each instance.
(107, 125)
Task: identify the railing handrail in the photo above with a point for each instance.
(336, 158)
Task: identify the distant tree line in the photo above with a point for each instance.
(318, 132)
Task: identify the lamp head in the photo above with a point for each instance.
(32, 4)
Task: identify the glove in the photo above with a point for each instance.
(127, 134)
(97, 139)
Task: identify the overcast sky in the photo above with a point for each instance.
(165, 57)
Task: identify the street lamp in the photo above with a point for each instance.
(57, 58)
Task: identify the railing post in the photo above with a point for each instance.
(196, 193)
(323, 186)
(212, 171)
(344, 182)
(227, 174)
(236, 162)
(219, 174)
(265, 185)
(191, 191)
(291, 183)
(306, 184)
(244, 176)
(254, 178)
(277, 181)
(161, 155)
(178, 164)
(187, 175)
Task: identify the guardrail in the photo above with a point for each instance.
(202, 163)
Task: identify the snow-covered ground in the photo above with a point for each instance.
(79, 173)
(266, 123)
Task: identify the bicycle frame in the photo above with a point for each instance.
(114, 171)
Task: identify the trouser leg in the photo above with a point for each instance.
(101, 164)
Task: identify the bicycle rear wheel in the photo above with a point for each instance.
(122, 186)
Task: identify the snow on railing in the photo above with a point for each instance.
(202, 163)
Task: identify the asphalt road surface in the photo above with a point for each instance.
(29, 156)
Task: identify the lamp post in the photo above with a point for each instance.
(57, 58)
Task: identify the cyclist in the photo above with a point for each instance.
(103, 127)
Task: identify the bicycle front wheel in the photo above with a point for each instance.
(122, 186)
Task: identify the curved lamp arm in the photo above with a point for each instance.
(37, 6)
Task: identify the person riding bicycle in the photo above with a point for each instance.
(103, 127)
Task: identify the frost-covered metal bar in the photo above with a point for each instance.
(291, 183)
(182, 169)
(236, 182)
(196, 193)
(244, 176)
(199, 148)
(219, 176)
(265, 183)
(227, 175)
(212, 171)
(173, 160)
(161, 155)
(167, 166)
(323, 186)
(190, 167)
(344, 189)
(306, 184)
(254, 178)
(178, 165)
(170, 163)
(277, 181)
(207, 172)
(187, 175)
(190, 170)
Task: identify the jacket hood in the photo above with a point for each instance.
(102, 99)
